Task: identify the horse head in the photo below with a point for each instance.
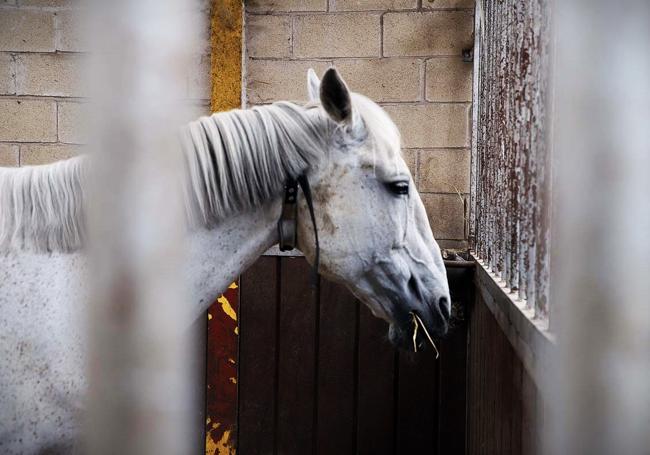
(374, 232)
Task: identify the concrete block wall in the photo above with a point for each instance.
(404, 54)
(42, 88)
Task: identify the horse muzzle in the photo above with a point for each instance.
(419, 317)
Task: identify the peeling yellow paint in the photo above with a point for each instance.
(226, 78)
(209, 317)
(225, 306)
(231, 361)
(233, 380)
(221, 447)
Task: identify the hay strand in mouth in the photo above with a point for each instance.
(415, 334)
(418, 322)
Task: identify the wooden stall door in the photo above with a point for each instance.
(317, 374)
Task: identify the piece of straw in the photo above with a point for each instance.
(415, 334)
(417, 319)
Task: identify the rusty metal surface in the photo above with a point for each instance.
(510, 152)
(221, 374)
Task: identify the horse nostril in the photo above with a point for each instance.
(414, 288)
(444, 307)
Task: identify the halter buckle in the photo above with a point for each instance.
(287, 224)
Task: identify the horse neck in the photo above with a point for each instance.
(219, 255)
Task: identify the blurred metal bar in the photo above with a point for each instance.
(601, 249)
(139, 391)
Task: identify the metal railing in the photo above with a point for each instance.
(509, 221)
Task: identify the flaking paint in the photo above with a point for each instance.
(221, 370)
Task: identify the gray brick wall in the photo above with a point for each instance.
(42, 88)
(404, 54)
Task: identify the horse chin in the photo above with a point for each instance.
(400, 338)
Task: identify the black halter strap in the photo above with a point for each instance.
(287, 224)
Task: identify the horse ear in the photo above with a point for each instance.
(335, 97)
(313, 85)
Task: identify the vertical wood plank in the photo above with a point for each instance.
(503, 401)
(473, 384)
(337, 362)
(515, 397)
(492, 418)
(257, 356)
(452, 398)
(297, 359)
(503, 391)
(417, 419)
(376, 407)
(529, 415)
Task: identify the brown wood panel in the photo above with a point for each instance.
(474, 366)
(516, 404)
(337, 376)
(318, 375)
(417, 403)
(298, 328)
(376, 387)
(503, 401)
(452, 398)
(529, 415)
(258, 317)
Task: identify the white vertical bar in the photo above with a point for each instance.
(476, 99)
(138, 390)
(601, 275)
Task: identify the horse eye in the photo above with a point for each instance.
(399, 188)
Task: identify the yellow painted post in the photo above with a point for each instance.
(226, 60)
(226, 23)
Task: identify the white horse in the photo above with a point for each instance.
(374, 237)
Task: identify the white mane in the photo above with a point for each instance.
(41, 207)
(235, 160)
(239, 159)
